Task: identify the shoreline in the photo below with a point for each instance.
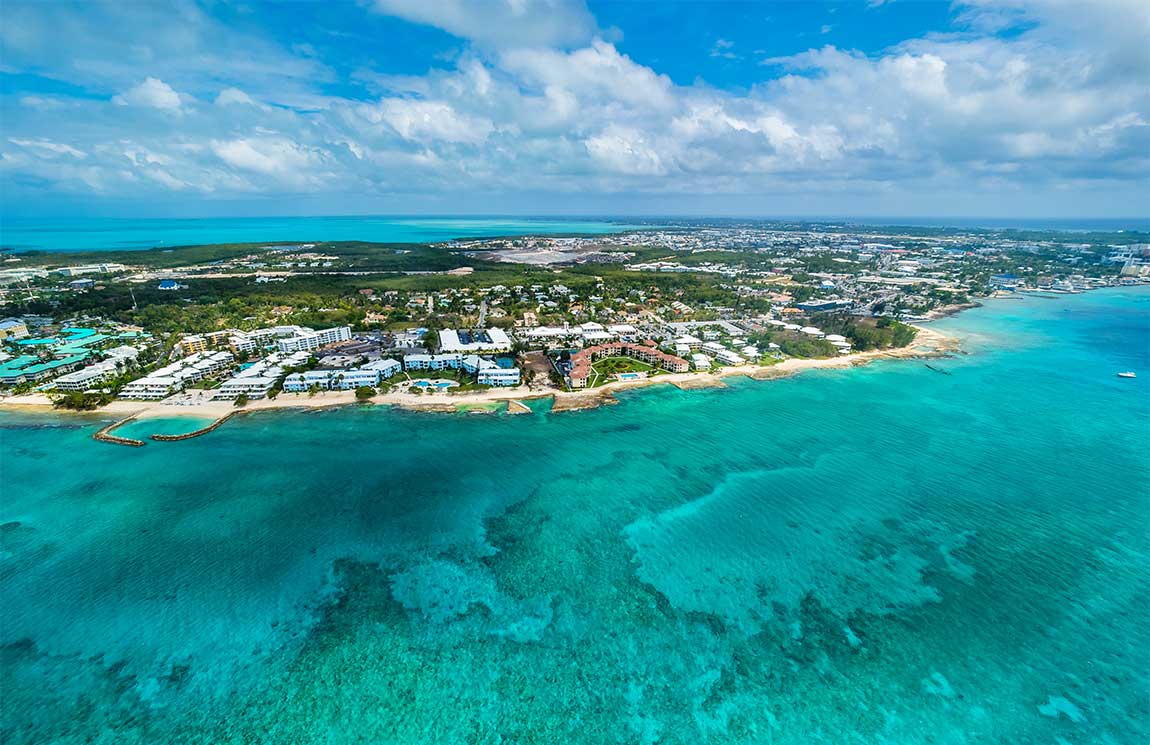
(928, 343)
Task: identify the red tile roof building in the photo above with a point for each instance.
(581, 360)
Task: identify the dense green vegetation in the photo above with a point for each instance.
(387, 286)
(866, 333)
(796, 345)
(77, 401)
(863, 333)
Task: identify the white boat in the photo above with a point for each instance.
(1127, 374)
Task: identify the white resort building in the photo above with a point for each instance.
(175, 377)
(256, 381)
(342, 380)
(309, 340)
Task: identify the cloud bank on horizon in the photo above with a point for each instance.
(1025, 107)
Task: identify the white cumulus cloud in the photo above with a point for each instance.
(152, 93)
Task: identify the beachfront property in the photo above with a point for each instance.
(325, 380)
(42, 358)
(259, 378)
(486, 371)
(173, 378)
(489, 372)
(840, 342)
(307, 340)
(88, 377)
(581, 361)
(452, 361)
(93, 375)
(491, 340)
(28, 368)
(727, 357)
(387, 368)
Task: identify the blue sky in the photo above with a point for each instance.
(865, 108)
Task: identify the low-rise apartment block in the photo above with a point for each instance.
(175, 377)
(310, 340)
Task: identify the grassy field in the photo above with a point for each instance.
(605, 370)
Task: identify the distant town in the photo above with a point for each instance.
(240, 323)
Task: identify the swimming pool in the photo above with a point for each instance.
(440, 384)
(629, 376)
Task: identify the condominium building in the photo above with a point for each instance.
(581, 361)
(87, 378)
(193, 344)
(336, 380)
(257, 380)
(176, 376)
(28, 368)
(386, 368)
(432, 361)
(152, 388)
(341, 380)
(480, 340)
(310, 340)
(727, 357)
(93, 375)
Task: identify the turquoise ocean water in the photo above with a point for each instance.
(879, 555)
(103, 234)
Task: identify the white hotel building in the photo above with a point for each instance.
(256, 381)
(309, 340)
(342, 380)
(175, 377)
(87, 378)
(93, 375)
(486, 371)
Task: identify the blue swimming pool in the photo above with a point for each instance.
(440, 384)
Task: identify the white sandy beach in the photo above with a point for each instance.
(927, 343)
